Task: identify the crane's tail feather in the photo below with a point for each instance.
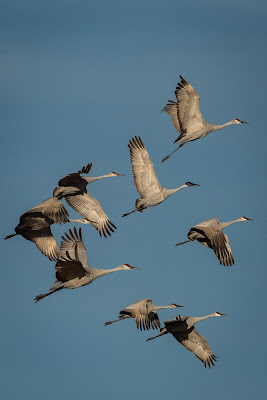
(10, 236)
(166, 158)
(186, 241)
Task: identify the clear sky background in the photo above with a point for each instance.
(78, 80)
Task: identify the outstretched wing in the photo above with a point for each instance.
(171, 109)
(216, 240)
(45, 242)
(91, 209)
(144, 317)
(72, 247)
(188, 110)
(196, 343)
(228, 258)
(144, 175)
(52, 208)
(69, 268)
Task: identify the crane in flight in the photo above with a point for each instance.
(187, 118)
(210, 234)
(34, 225)
(145, 179)
(72, 268)
(183, 330)
(145, 313)
(73, 188)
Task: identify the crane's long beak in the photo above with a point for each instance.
(135, 267)
(243, 122)
(250, 219)
(120, 174)
(226, 315)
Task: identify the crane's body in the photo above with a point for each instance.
(182, 329)
(73, 188)
(210, 234)
(145, 179)
(72, 268)
(187, 118)
(34, 225)
(145, 313)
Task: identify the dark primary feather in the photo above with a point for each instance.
(215, 240)
(197, 344)
(68, 270)
(75, 179)
(85, 170)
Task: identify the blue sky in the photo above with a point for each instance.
(78, 80)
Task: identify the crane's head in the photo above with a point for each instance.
(191, 184)
(174, 305)
(246, 219)
(237, 121)
(217, 314)
(115, 174)
(128, 267)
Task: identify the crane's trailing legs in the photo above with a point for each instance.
(163, 331)
(166, 158)
(10, 236)
(186, 241)
(125, 215)
(116, 320)
(42, 296)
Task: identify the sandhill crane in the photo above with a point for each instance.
(145, 179)
(73, 189)
(182, 328)
(145, 313)
(34, 225)
(210, 234)
(187, 118)
(72, 269)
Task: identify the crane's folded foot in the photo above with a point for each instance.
(165, 158)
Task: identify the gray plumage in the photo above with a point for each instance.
(145, 313)
(210, 234)
(183, 330)
(34, 225)
(187, 118)
(145, 179)
(73, 189)
(72, 268)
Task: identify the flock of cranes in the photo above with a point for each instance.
(72, 268)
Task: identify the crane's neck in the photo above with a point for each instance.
(169, 192)
(161, 307)
(194, 320)
(101, 272)
(90, 179)
(225, 224)
(217, 127)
